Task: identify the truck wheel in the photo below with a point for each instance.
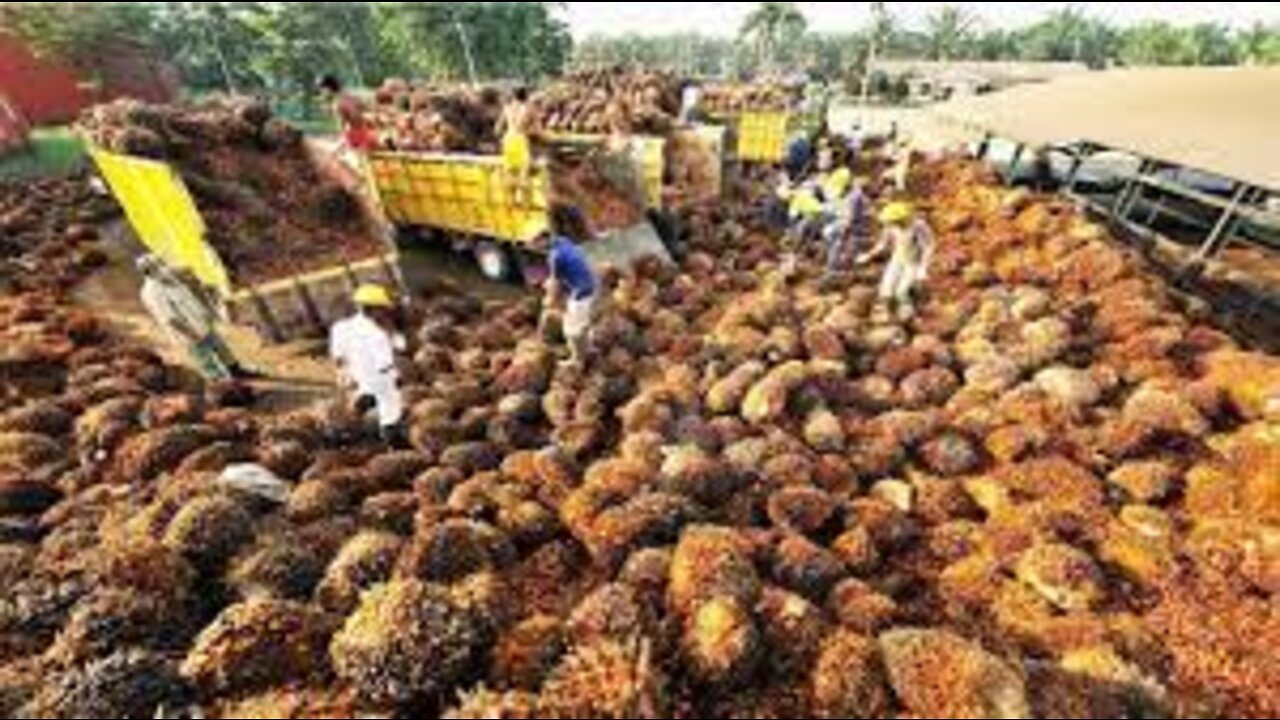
(495, 261)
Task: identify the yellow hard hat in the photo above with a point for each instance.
(806, 204)
(373, 296)
(896, 213)
(837, 183)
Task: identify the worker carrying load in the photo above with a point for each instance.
(911, 242)
(572, 278)
(188, 319)
(515, 127)
(365, 348)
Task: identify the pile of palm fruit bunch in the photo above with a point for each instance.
(1052, 494)
(729, 100)
(49, 232)
(423, 118)
(268, 209)
(618, 101)
(599, 182)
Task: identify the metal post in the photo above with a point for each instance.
(1155, 213)
(984, 148)
(1077, 163)
(1131, 193)
(1225, 229)
(1015, 163)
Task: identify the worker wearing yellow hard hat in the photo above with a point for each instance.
(909, 241)
(373, 296)
(836, 184)
(365, 349)
(897, 213)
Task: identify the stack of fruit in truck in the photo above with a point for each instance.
(610, 143)
(236, 196)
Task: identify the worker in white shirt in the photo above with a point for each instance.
(189, 320)
(902, 169)
(690, 103)
(911, 242)
(365, 348)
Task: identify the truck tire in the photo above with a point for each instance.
(495, 261)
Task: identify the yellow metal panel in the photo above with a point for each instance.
(163, 215)
(762, 137)
(460, 193)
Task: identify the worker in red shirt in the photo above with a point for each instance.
(358, 133)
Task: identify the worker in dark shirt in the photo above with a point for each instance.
(800, 152)
(573, 278)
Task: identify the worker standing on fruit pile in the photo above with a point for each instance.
(573, 279)
(902, 168)
(809, 214)
(515, 128)
(691, 103)
(365, 348)
(188, 318)
(849, 234)
(358, 133)
(799, 157)
(910, 241)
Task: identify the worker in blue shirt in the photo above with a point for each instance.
(573, 278)
(800, 153)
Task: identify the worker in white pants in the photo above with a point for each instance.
(573, 277)
(365, 348)
(910, 242)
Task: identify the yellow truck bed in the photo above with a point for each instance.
(762, 137)
(167, 220)
(475, 194)
(469, 194)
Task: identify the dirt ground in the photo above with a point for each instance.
(297, 374)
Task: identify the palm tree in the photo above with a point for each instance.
(771, 26)
(950, 32)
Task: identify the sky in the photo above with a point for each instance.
(724, 18)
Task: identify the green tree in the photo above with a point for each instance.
(951, 31)
(1215, 45)
(77, 31)
(773, 29)
(1260, 45)
(1070, 35)
(521, 40)
(1159, 43)
(996, 44)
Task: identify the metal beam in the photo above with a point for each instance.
(1015, 163)
(1226, 226)
(1077, 163)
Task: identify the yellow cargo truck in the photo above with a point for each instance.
(475, 203)
(167, 220)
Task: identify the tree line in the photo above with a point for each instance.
(777, 37)
(280, 48)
